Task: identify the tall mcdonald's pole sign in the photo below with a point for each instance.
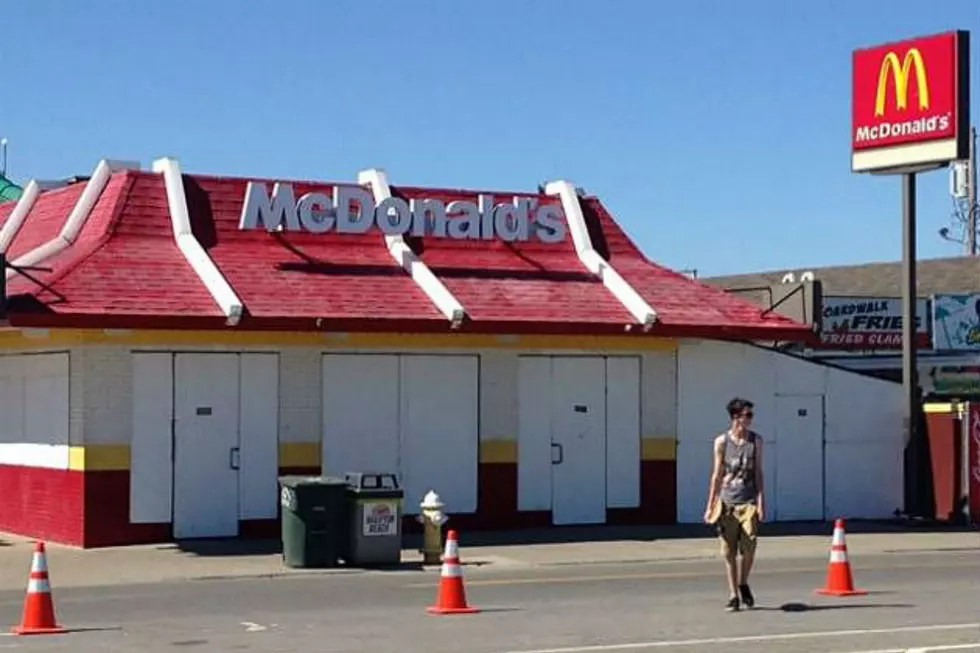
(911, 114)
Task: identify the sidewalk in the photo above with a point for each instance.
(250, 559)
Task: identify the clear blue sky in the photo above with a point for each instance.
(716, 132)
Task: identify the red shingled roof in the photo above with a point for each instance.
(125, 270)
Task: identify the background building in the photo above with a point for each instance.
(861, 319)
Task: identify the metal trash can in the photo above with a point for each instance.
(315, 520)
(375, 519)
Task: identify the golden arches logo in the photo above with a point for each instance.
(900, 75)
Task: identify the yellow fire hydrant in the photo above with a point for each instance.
(432, 519)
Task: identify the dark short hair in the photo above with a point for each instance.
(737, 406)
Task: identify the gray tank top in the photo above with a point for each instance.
(738, 481)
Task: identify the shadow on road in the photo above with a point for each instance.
(231, 547)
(807, 607)
(94, 629)
(226, 547)
(576, 534)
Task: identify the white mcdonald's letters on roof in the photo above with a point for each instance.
(352, 210)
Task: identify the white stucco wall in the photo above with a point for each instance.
(863, 441)
(102, 381)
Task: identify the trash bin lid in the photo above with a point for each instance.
(296, 481)
(371, 480)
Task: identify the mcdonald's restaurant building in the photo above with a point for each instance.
(173, 343)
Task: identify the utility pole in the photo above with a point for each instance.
(971, 213)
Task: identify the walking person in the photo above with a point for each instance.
(736, 503)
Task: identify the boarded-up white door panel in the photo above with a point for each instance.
(439, 430)
(259, 436)
(151, 451)
(799, 458)
(578, 435)
(534, 433)
(623, 432)
(360, 413)
(11, 400)
(206, 445)
(46, 408)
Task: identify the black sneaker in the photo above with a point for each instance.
(747, 597)
(732, 605)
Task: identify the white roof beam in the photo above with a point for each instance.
(76, 219)
(430, 284)
(209, 274)
(593, 261)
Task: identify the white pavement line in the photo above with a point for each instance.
(944, 647)
(925, 649)
(752, 638)
(252, 627)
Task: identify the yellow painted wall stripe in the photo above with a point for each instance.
(299, 454)
(940, 408)
(116, 457)
(99, 458)
(27, 339)
(660, 448)
(498, 452)
(506, 451)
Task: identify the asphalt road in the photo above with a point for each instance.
(915, 601)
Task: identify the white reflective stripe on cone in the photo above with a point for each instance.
(451, 571)
(838, 537)
(39, 563)
(452, 549)
(838, 556)
(38, 586)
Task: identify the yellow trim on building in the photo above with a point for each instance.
(116, 457)
(498, 452)
(658, 449)
(299, 454)
(941, 408)
(99, 458)
(27, 339)
(506, 451)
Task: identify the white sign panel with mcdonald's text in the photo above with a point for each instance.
(911, 103)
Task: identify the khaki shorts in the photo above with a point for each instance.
(738, 528)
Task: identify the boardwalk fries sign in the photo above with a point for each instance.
(869, 323)
(910, 103)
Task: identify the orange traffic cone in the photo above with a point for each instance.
(39, 616)
(452, 594)
(840, 582)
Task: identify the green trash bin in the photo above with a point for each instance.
(315, 520)
(375, 519)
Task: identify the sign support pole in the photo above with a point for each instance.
(910, 370)
(909, 367)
